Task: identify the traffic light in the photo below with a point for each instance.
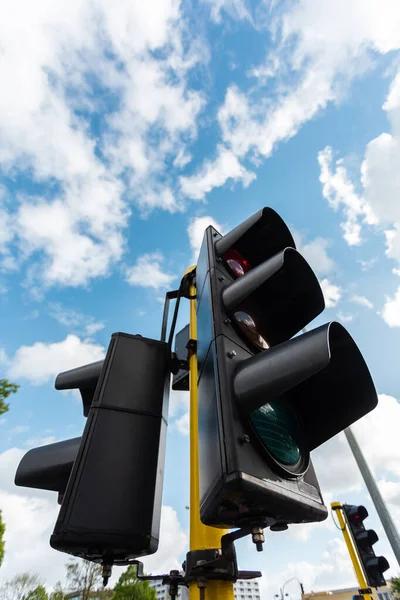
(373, 566)
(267, 398)
(110, 480)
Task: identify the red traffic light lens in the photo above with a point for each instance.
(245, 323)
(236, 262)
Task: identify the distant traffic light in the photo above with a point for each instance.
(110, 480)
(266, 398)
(373, 566)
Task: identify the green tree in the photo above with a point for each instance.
(395, 587)
(38, 593)
(83, 577)
(6, 388)
(129, 587)
(57, 593)
(2, 530)
(21, 587)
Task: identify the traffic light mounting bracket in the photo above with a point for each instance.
(207, 564)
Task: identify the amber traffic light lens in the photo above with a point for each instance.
(245, 323)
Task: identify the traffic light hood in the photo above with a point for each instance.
(321, 375)
(48, 467)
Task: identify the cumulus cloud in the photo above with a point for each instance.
(75, 320)
(315, 252)
(255, 121)
(332, 293)
(339, 191)
(215, 174)
(345, 317)
(362, 301)
(139, 57)
(379, 181)
(196, 229)
(390, 312)
(149, 272)
(336, 468)
(182, 424)
(42, 361)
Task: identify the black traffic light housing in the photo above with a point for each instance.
(364, 539)
(266, 400)
(110, 480)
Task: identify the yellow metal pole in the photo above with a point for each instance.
(362, 582)
(201, 536)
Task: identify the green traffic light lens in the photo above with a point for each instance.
(278, 431)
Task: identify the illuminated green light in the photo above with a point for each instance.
(277, 429)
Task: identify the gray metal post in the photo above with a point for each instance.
(379, 503)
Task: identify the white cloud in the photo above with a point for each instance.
(362, 301)
(178, 402)
(215, 174)
(182, 159)
(40, 441)
(236, 9)
(335, 466)
(19, 429)
(333, 566)
(391, 310)
(149, 272)
(74, 320)
(345, 317)
(380, 181)
(315, 67)
(340, 193)
(315, 252)
(182, 424)
(332, 293)
(367, 264)
(138, 54)
(196, 229)
(42, 361)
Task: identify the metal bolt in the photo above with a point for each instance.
(221, 278)
(215, 234)
(257, 535)
(231, 354)
(244, 439)
(227, 321)
(219, 259)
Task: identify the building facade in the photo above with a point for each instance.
(382, 593)
(244, 590)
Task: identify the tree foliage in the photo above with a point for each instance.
(129, 587)
(82, 577)
(6, 388)
(25, 586)
(2, 531)
(395, 587)
(57, 593)
(38, 593)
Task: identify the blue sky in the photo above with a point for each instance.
(125, 129)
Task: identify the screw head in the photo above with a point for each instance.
(227, 321)
(231, 354)
(245, 439)
(221, 278)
